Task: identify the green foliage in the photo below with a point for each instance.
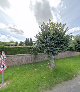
(31, 42)
(52, 38)
(11, 43)
(77, 43)
(21, 43)
(71, 46)
(74, 44)
(37, 77)
(28, 42)
(16, 43)
(34, 51)
(16, 50)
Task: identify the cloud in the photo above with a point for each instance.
(2, 25)
(56, 14)
(12, 28)
(7, 35)
(55, 3)
(42, 11)
(15, 30)
(3, 38)
(7, 38)
(46, 9)
(70, 13)
(4, 18)
(74, 31)
(10, 33)
(4, 3)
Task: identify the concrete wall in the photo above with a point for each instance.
(13, 60)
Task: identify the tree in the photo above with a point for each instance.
(16, 43)
(21, 43)
(71, 46)
(52, 39)
(77, 43)
(74, 44)
(26, 41)
(30, 42)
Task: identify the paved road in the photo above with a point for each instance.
(69, 86)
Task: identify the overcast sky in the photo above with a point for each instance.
(20, 19)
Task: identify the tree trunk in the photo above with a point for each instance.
(52, 62)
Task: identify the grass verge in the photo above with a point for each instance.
(37, 77)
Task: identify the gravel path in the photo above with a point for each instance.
(69, 86)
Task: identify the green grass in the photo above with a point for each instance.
(37, 77)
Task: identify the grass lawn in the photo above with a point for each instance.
(37, 77)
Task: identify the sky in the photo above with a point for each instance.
(20, 19)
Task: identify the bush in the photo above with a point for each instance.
(16, 50)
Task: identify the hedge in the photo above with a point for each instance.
(16, 50)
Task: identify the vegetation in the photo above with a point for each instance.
(16, 50)
(27, 42)
(11, 43)
(52, 39)
(75, 44)
(38, 77)
(21, 43)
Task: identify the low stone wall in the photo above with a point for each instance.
(67, 54)
(13, 60)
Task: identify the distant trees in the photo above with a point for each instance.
(16, 43)
(28, 42)
(21, 43)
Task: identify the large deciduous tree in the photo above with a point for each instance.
(52, 39)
